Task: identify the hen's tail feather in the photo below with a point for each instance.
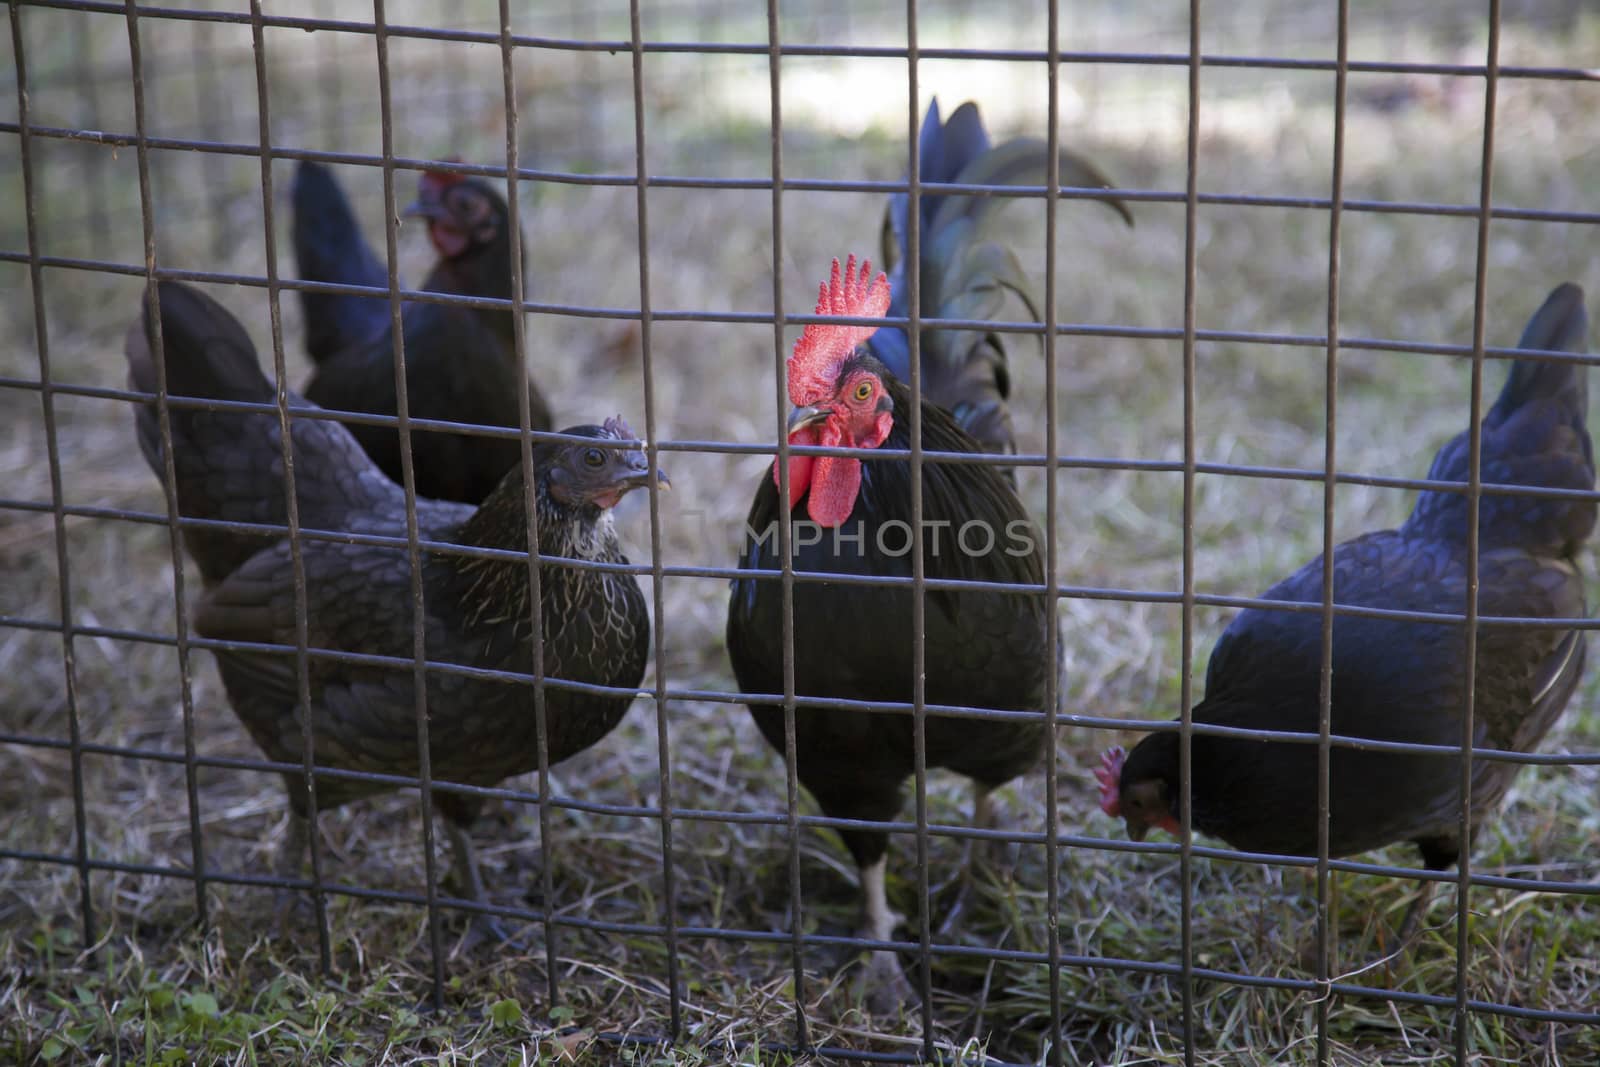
(330, 247)
(1560, 325)
(229, 464)
(963, 275)
(208, 353)
(1535, 435)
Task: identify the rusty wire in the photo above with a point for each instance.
(662, 694)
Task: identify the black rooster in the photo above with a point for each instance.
(460, 362)
(1397, 680)
(358, 597)
(982, 649)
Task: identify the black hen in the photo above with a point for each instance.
(1396, 680)
(229, 467)
(460, 362)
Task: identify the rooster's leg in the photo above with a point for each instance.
(884, 982)
(982, 806)
(975, 853)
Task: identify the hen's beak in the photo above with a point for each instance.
(641, 479)
(810, 415)
(424, 207)
(1137, 829)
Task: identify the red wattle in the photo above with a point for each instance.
(831, 481)
(800, 467)
(448, 241)
(834, 485)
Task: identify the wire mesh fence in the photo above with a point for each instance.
(1344, 214)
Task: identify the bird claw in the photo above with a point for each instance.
(289, 907)
(957, 906)
(883, 986)
(487, 929)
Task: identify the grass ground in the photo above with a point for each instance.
(156, 990)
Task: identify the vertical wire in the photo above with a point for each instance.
(41, 331)
(919, 667)
(169, 471)
(302, 624)
(1052, 854)
(1463, 1032)
(330, 87)
(1186, 653)
(207, 95)
(1325, 962)
(530, 505)
(791, 774)
(408, 482)
(657, 579)
(89, 90)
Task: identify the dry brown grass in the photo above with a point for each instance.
(1406, 277)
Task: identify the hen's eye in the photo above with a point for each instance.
(863, 391)
(593, 457)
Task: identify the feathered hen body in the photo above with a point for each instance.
(1397, 680)
(358, 596)
(460, 361)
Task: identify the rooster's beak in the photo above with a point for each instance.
(1137, 830)
(810, 415)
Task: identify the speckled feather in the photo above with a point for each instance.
(595, 624)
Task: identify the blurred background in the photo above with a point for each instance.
(1265, 130)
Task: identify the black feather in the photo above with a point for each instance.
(1396, 680)
(460, 362)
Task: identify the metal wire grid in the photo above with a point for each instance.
(1186, 972)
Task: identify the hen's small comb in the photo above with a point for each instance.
(619, 429)
(822, 347)
(1109, 775)
(444, 179)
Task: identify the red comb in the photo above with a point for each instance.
(1109, 775)
(444, 179)
(618, 428)
(820, 350)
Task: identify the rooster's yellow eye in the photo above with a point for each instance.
(864, 390)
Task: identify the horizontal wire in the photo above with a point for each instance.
(944, 711)
(757, 318)
(844, 941)
(314, 413)
(1063, 592)
(717, 696)
(777, 937)
(764, 50)
(877, 187)
(776, 818)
